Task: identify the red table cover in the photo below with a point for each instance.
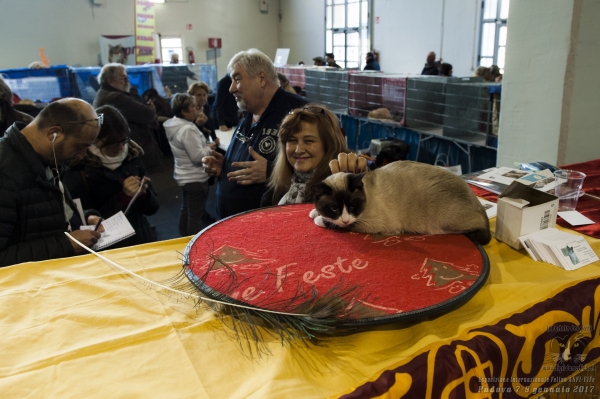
(265, 258)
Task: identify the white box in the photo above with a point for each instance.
(523, 210)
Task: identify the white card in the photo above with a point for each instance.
(575, 218)
(491, 208)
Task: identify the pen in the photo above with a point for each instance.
(98, 224)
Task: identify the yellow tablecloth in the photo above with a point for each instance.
(74, 328)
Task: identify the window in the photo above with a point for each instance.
(171, 45)
(494, 15)
(347, 31)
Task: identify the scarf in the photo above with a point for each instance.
(111, 163)
(295, 194)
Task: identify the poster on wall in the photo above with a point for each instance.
(144, 28)
(119, 49)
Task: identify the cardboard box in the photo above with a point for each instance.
(523, 210)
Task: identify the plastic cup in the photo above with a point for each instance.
(568, 188)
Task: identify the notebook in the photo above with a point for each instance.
(116, 228)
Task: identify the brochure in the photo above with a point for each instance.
(559, 248)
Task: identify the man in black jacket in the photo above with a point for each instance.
(432, 67)
(243, 172)
(35, 208)
(141, 117)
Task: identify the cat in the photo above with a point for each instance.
(570, 349)
(400, 198)
(117, 54)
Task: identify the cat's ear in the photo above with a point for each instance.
(320, 189)
(355, 181)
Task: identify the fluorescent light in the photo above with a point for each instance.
(157, 1)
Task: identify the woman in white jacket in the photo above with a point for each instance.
(188, 146)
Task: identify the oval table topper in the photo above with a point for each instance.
(275, 258)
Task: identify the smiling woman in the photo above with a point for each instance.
(309, 138)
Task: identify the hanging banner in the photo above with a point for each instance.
(119, 49)
(144, 28)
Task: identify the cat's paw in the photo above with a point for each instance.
(313, 214)
(319, 221)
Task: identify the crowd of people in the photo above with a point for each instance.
(103, 154)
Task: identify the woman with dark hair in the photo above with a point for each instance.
(109, 176)
(446, 69)
(309, 138)
(9, 115)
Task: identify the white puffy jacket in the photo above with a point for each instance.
(189, 147)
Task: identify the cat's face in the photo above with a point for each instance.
(340, 198)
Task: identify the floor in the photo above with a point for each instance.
(168, 192)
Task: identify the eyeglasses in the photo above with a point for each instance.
(124, 141)
(241, 136)
(99, 121)
(122, 77)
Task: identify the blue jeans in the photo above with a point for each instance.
(193, 202)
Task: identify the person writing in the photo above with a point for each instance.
(36, 208)
(111, 177)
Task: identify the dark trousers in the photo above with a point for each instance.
(193, 202)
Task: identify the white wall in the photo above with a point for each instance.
(407, 30)
(303, 29)
(549, 91)
(581, 133)
(69, 29)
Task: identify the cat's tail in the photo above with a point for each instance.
(482, 236)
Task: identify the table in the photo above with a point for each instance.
(76, 327)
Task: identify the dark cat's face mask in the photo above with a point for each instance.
(340, 204)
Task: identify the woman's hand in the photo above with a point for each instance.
(201, 119)
(348, 163)
(132, 184)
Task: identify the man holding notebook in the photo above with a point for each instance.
(35, 208)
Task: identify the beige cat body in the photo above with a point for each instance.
(402, 197)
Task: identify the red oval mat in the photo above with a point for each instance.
(270, 257)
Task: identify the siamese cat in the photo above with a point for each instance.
(401, 198)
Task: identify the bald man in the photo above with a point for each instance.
(36, 208)
(432, 67)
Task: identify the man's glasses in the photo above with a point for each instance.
(122, 77)
(241, 136)
(99, 121)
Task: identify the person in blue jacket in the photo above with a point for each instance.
(372, 65)
(243, 171)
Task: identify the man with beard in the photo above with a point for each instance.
(36, 208)
(141, 117)
(243, 172)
